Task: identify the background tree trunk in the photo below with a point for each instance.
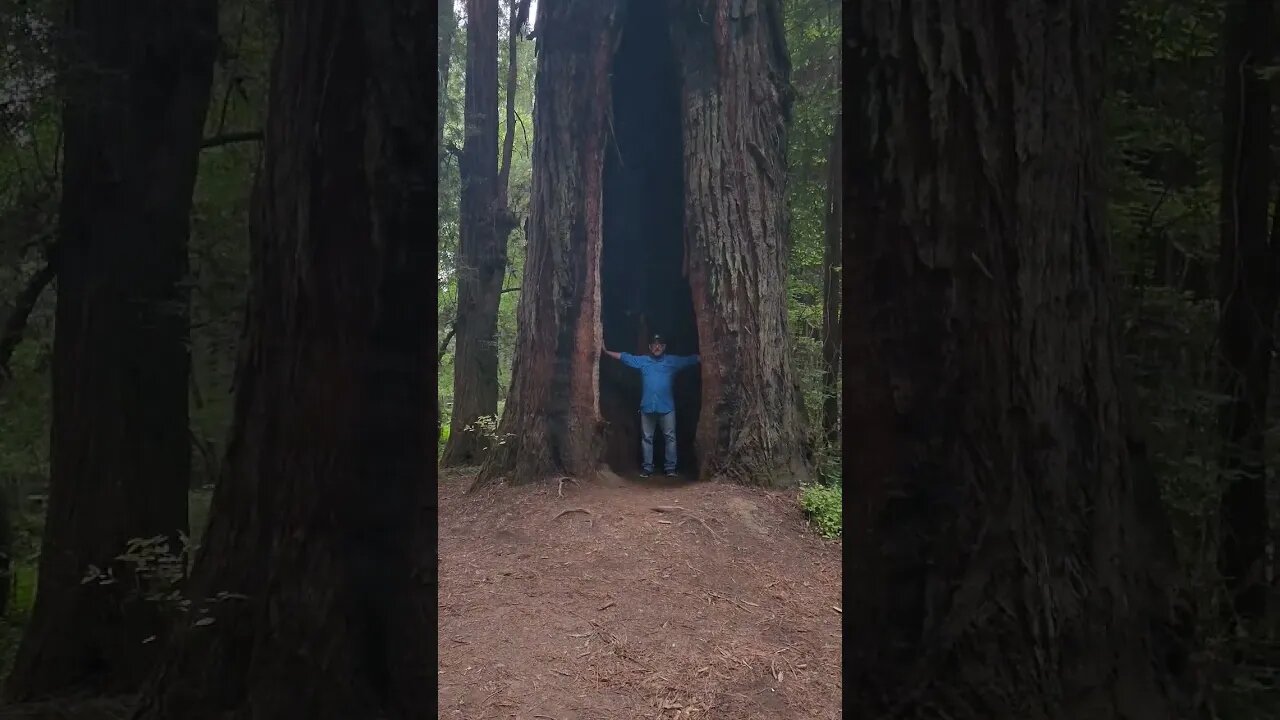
(831, 270)
(326, 469)
(1012, 559)
(737, 100)
(1247, 291)
(137, 81)
(447, 25)
(734, 106)
(482, 256)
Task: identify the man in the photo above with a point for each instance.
(657, 406)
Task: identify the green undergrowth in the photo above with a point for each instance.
(823, 505)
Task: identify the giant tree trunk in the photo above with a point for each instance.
(1247, 290)
(1011, 557)
(137, 83)
(482, 249)
(831, 269)
(737, 99)
(313, 518)
(734, 98)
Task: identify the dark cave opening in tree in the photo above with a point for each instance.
(644, 283)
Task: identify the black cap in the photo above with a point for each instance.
(657, 339)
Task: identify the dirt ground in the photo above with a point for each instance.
(720, 605)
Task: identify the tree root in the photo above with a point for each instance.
(690, 515)
(560, 487)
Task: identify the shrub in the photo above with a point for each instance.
(823, 505)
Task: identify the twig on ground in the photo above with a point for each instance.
(729, 600)
(571, 510)
(705, 525)
(607, 605)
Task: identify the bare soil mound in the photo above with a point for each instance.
(629, 598)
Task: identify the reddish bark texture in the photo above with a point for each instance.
(552, 422)
(736, 103)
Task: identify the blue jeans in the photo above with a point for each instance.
(647, 423)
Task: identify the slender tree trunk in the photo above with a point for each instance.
(1010, 552)
(1247, 291)
(137, 81)
(482, 256)
(447, 25)
(312, 521)
(831, 269)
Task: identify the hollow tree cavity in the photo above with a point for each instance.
(616, 252)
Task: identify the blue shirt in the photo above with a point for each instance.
(656, 374)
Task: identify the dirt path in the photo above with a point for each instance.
(724, 608)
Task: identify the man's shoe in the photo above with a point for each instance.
(645, 473)
(671, 473)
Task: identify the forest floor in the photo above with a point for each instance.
(720, 604)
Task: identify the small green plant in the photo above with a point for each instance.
(823, 505)
(486, 427)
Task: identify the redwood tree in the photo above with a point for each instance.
(482, 247)
(136, 76)
(735, 99)
(1247, 292)
(1010, 554)
(313, 519)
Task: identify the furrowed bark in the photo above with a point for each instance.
(137, 81)
(1010, 551)
(482, 256)
(314, 518)
(551, 424)
(736, 101)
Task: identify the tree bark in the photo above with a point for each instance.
(552, 421)
(137, 82)
(831, 269)
(326, 471)
(1010, 552)
(734, 106)
(482, 251)
(736, 102)
(1247, 291)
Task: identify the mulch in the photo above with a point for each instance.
(622, 598)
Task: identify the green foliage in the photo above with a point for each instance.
(825, 508)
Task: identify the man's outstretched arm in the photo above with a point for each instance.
(684, 361)
(612, 354)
